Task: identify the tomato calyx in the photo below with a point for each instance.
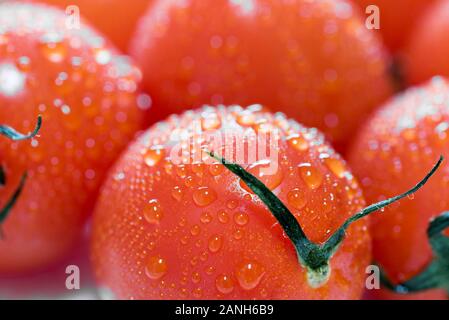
(15, 136)
(315, 258)
(436, 274)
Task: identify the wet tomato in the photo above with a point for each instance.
(303, 58)
(395, 148)
(171, 223)
(87, 96)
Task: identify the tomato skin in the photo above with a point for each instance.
(116, 19)
(397, 19)
(395, 149)
(270, 52)
(427, 50)
(86, 94)
(157, 235)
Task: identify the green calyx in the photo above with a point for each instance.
(15, 136)
(312, 256)
(436, 274)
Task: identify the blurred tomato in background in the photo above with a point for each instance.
(313, 60)
(116, 19)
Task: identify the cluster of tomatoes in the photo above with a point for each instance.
(175, 224)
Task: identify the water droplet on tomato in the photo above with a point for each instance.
(210, 121)
(271, 177)
(224, 284)
(336, 166)
(241, 218)
(153, 212)
(215, 243)
(216, 169)
(311, 176)
(297, 142)
(205, 218)
(249, 275)
(156, 267)
(223, 217)
(177, 193)
(196, 277)
(154, 155)
(204, 196)
(195, 230)
(297, 199)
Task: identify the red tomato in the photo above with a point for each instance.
(304, 58)
(86, 94)
(397, 19)
(116, 19)
(395, 149)
(428, 49)
(164, 230)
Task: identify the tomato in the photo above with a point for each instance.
(87, 96)
(116, 19)
(427, 51)
(304, 58)
(170, 229)
(397, 19)
(405, 136)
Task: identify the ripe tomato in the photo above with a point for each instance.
(397, 19)
(395, 148)
(116, 19)
(165, 230)
(86, 94)
(304, 58)
(428, 49)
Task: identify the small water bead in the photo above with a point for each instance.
(156, 267)
(154, 155)
(297, 199)
(216, 169)
(153, 212)
(267, 172)
(249, 275)
(223, 217)
(196, 277)
(177, 193)
(224, 284)
(311, 176)
(238, 234)
(232, 204)
(195, 230)
(241, 218)
(246, 119)
(181, 171)
(210, 270)
(336, 166)
(204, 196)
(197, 292)
(206, 217)
(215, 243)
(298, 143)
(210, 121)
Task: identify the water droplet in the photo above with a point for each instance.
(267, 172)
(210, 121)
(238, 234)
(311, 176)
(216, 169)
(249, 275)
(197, 293)
(156, 267)
(196, 277)
(411, 196)
(215, 243)
(12, 81)
(154, 155)
(297, 199)
(241, 218)
(223, 217)
(224, 284)
(232, 204)
(177, 193)
(204, 196)
(336, 166)
(195, 230)
(153, 212)
(246, 119)
(205, 218)
(298, 143)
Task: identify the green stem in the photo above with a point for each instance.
(314, 257)
(436, 274)
(16, 136)
(11, 202)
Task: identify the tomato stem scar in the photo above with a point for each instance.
(17, 136)
(436, 274)
(314, 257)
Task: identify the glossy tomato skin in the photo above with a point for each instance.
(304, 58)
(86, 94)
(396, 149)
(428, 49)
(116, 19)
(398, 19)
(192, 231)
